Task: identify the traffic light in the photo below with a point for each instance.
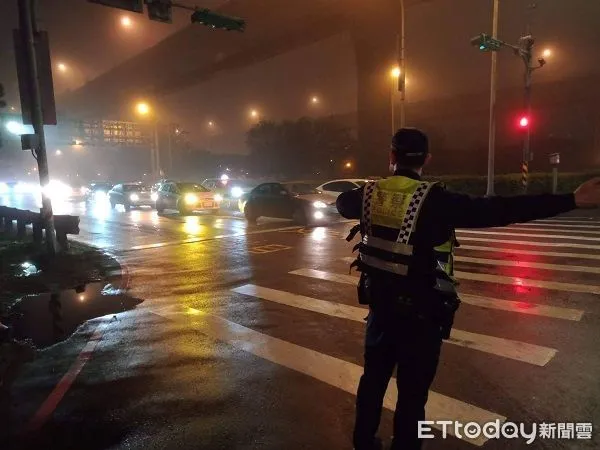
(486, 43)
(160, 10)
(212, 19)
(523, 122)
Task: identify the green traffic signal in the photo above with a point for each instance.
(211, 19)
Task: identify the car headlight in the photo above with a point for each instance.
(218, 198)
(319, 204)
(237, 192)
(99, 195)
(134, 197)
(190, 199)
(154, 196)
(318, 215)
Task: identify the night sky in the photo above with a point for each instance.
(441, 63)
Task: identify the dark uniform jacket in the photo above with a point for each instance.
(442, 212)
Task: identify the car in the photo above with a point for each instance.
(97, 191)
(334, 188)
(186, 198)
(291, 200)
(230, 189)
(130, 195)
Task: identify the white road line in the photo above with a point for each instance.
(544, 236)
(571, 220)
(527, 264)
(546, 230)
(530, 243)
(327, 369)
(535, 309)
(520, 307)
(513, 281)
(528, 252)
(524, 282)
(212, 238)
(559, 225)
(507, 348)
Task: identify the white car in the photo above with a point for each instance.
(334, 188)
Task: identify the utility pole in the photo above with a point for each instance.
(402, 65)
(526, 44)
(492, 122)
(28, 30)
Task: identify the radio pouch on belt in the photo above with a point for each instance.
(448, 303)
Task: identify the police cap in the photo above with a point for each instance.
(411, 146)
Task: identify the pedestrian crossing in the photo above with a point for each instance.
(562, 280)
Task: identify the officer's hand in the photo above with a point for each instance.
(588, 194)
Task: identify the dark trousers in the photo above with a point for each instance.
(412, 344)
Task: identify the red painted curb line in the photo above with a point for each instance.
(65, 383)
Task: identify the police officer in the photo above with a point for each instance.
(411, 298)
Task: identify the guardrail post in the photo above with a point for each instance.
(37, 233)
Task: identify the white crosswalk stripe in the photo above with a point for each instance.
(516, 251)
(345, 375)
(520, 351)
(544, 236)
(333, 371)
(515, 281)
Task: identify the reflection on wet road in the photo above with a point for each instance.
(238, 319)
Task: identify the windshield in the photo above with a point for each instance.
(135, 187)
(300, 188)
(191, 187)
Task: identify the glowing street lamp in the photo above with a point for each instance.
(142, 108)
(348, 165)
(254, 113)
(58, 152)
(126, 22)
(211, 124)
(62, 67)
(547, 53)
(315, 100)
(395, 72)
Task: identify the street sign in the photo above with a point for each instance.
(44, 73)
(487, 43)
(129, 5)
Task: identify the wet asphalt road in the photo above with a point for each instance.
(251, 338)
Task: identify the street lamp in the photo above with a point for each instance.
(211, 124)
(126, 22)
(547, 53)
(254, 113)
(62, 67)
(142, 108)
(348, 165)
(395, 73)
(58, 152)
(314, 100)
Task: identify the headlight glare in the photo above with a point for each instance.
(218, 198)
(237, 192)
(134, 197)
(154, 196)
(190, 199)
(319, 204)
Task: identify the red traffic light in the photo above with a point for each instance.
(524, 122)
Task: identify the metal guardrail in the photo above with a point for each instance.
(64, 225)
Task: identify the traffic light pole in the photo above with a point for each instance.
(28, 28)
(527, 52)
(492, 123)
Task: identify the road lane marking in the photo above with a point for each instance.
(545, 236)
(559, 225)
(513, 281)
(335, 372)
(528, 252)
(269, 248)
(527, 264)
(520, 307)
(535, 309)
(571, 220)
(545, 230)
(530, 243)
(212, 238)
(507, 348)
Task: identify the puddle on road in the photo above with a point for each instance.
(47, 318)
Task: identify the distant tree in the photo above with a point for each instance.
(304, 147)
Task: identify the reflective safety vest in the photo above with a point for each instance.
(445, 254)
(395, 203)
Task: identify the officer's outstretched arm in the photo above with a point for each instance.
(464, 211)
